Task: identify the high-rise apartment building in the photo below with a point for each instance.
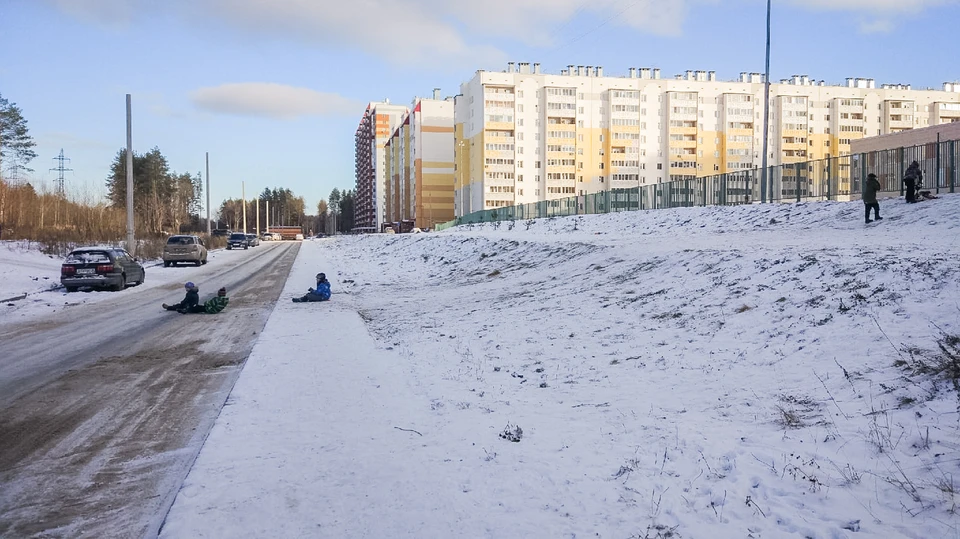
(376, 126)
(420, 165)
(524, 136)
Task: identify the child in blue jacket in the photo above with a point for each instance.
(320, 293)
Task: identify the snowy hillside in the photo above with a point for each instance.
(703, 372)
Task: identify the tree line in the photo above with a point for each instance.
(165, 201)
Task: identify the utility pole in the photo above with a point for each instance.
(243, 196)
(258, 216)
(60, 169)
(766, 116)
(208, 193)
(131, 241)
(267, 214)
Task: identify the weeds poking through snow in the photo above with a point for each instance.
(512, 433)
(789, 419)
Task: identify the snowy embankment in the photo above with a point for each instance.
(702, 372)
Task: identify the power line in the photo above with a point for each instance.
(599, 26)
(60, 169)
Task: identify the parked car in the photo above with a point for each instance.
(253, 240)
(184, 248)
(266, 236)
(238, 240)
(298, 237)
(223, 232)
(100, 267)
(277, 237)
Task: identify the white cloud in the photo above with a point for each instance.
(449, 32)
(109, 12)
(874, 6)
(880, 26)
(272, 100)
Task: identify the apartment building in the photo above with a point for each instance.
(525, 136)
(379, 121)
(420, 164)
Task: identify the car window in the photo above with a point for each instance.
(180, 240)
(88, 257)
(239, 236)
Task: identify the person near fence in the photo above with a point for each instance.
(320, 293)
(912, 178)
(189, 300)
(870, 189)
(211, 306)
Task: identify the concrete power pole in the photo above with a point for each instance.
(268, 215)
(131, 240)
(208, 193)
(258, 216)
(243, 195)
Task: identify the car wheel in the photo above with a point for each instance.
(246, 246)
(122, 284)
(198, 263)
(143, 277)
(166, 264)
(204, 261)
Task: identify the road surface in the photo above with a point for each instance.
(103, 409)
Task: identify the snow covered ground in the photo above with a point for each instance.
(701, 372)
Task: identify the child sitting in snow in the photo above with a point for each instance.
(320, 293)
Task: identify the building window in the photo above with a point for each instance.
(519, 177)
(520, 122)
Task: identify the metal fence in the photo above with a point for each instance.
(834, 178)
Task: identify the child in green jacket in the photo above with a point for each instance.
(211, 306)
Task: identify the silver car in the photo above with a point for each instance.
(184, 248)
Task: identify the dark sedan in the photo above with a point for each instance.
(101, 268)
(238, 240)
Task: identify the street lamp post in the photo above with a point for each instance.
(766, 115)
(460, 145)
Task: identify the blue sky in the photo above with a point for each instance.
(274, 89)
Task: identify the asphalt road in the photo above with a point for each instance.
(103, 411)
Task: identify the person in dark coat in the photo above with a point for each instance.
(870, 189)
(211, 306)
(191, 299)
(320, 293)
(912, 178)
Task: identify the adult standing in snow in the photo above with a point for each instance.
(320, 293)
(191, 299)
(211, 306)
(912, 178)
(870, 189)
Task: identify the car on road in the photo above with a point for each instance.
(266, 236)
(184, 248)
(238, 240)
(298, 237)
(101, 268)
(253, 240)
